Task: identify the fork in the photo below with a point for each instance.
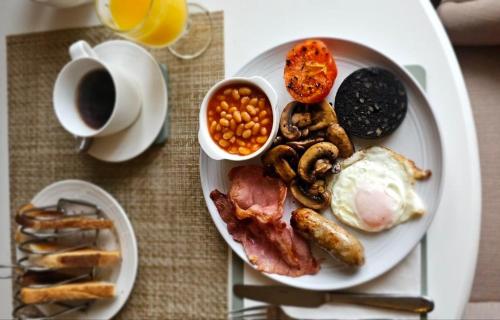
(262, 312)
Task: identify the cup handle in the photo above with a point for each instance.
(81, 49)
(83, 144)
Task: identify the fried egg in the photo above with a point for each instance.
(374, 190)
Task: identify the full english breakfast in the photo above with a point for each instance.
(314, 157)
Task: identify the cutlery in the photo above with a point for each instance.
(281, 295)
(262, 312)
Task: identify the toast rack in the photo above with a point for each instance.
(51, 230)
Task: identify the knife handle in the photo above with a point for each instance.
(416, 304)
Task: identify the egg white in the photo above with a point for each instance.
(381, 169)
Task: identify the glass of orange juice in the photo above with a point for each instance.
(186, 29)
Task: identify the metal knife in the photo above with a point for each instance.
(281, 295)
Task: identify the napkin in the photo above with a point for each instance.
(404, 278)
(471, 22)
(165, 130)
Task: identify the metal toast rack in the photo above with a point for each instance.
(36, 237)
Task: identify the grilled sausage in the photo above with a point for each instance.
(329, 236)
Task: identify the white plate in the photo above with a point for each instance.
(122, 238)
(418, 138)
(139, 66)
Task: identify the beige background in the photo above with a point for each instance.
(481, 68)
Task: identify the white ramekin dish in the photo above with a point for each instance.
(209, 146)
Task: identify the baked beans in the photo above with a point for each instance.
(240, 118)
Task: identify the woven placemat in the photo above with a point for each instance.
(182, 258)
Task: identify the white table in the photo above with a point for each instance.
(409, 31)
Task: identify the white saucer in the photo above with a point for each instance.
(139, 66)
(122, 238)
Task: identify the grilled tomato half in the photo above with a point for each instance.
(309, 71)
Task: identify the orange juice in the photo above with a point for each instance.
(154, 23)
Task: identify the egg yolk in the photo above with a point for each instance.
(375, 207)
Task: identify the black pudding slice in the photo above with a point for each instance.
(371, 103)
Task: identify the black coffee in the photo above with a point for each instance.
(96, 98)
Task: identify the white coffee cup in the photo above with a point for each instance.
(127, 100)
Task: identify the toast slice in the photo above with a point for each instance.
(56, 220)
(21, 237)
(52, 276)
(68, 292)
(83, 258)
